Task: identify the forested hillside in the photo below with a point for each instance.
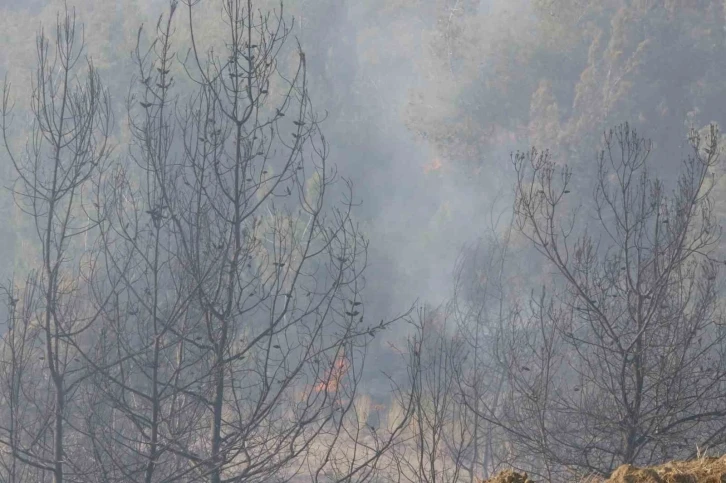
(385, 240)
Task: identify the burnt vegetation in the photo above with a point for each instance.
(193, 306)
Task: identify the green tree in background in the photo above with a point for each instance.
(556, 74)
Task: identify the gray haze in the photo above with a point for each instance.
(541, 187)
(368, 60)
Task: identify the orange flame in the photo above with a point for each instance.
(333, 376)
(434, 165)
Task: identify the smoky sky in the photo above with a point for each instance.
(368, 60)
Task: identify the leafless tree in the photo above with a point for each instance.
(438, 437)
(200, 303)
(19, 363)
(67, 147)
(621, 359)
(481, 308)
(276, 270)
(148, 363)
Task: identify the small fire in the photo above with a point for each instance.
(333, 376)
(434, 165)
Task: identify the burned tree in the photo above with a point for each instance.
(621, 359)
(438, 436)
(67, 149)
(211, 325)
